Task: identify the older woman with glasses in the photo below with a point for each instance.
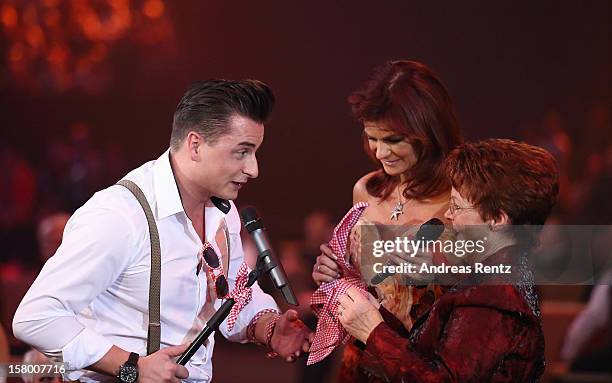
(486, 327)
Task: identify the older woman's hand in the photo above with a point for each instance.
(359, 315)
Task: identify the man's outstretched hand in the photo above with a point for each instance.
(291, 336)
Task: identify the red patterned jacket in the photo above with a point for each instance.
(483, 333)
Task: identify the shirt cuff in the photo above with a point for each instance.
(196, 374)
(85, 349)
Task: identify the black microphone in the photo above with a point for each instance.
(266, 256)
(211, 326)
(429, 231)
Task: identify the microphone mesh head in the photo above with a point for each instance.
(430, 230)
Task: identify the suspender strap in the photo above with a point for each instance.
(154, 333)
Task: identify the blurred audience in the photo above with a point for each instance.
(583, 151)
(75, 168)
(551, 135)
(17, 189)
(317, 229)
(588, 343)
(15, 279)
(4, 350)
(297, 258)
(49, 234)
(17, 200)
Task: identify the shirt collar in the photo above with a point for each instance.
(168, 199)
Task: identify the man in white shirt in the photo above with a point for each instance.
(88, 307)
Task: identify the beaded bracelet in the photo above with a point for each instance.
(269, 332)
(253, 324)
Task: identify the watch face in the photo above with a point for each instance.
(128, 374)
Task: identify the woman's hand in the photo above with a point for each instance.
(325, 268)
(359, 315)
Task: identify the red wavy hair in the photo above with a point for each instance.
(410, 100)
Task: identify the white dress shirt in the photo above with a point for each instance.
(93, 293)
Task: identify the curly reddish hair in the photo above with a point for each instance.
(500, 175)
(410, 100)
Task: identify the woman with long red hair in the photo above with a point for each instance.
(409, 127)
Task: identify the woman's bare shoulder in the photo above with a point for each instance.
(360, 192)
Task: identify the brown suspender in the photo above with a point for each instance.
(154, 333)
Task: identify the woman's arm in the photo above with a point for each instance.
(456, 343)
(470, 346)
